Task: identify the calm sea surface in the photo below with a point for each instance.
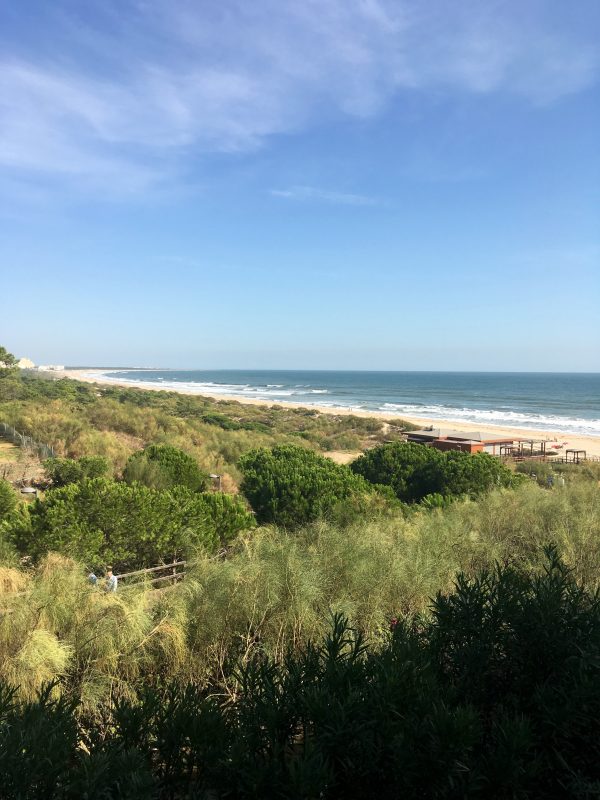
(569, 402)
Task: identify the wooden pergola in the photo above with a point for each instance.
(524, 448)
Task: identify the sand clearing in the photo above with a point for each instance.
(8, 451)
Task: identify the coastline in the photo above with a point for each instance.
(590, 444)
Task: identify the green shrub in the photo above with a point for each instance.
(101, 521)
(396, 465)
(458, 473)
(8, 364)
(415, 471)
(212, 418)
(228, 515)
(8, 500)
(291, 486)
(61, 471)
(163, 467)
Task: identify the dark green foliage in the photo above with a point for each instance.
(101, 521)
(522, 649)
(458, 473)
(227, 424)
(395, 465)
(37, 743)
(415, 471)
(229, 515)
(40, 756)
(291, 486)
(61, 471)
(8, 363)
(495, 695)
(8, 500)
(163, 467)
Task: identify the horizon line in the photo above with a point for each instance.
(321, 369)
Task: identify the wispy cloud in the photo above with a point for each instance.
(322, 195)
(126, 102)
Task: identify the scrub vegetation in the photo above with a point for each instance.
(81, 419)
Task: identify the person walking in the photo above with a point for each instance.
(111, 580)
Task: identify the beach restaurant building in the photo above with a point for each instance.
(475, 442)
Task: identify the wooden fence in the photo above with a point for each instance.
(552, 459)
(160, 577)
(173, 573)
(26, 442)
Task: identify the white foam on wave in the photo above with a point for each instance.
(193, 387)
(514, 419)
(299, 393)
(259, 390)
(198, 387)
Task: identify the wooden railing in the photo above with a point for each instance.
(175, 573)
(550, 459)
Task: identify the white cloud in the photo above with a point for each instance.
(313, 193)
(170, 78)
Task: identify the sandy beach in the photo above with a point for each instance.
(591, 444)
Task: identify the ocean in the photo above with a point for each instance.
(567, 402)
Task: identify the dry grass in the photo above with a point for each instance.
(12, 580)
(8, 451)
(342, 457)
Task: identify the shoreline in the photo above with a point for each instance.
(591, 444)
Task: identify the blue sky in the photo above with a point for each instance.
(367, 184)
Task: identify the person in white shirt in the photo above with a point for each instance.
(111, 580)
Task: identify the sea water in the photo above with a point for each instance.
(562, 401)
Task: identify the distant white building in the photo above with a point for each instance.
(51, 367)
(25, 363)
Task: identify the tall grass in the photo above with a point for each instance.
(276, 590)
(95, 643)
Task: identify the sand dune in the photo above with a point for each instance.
(591, 444)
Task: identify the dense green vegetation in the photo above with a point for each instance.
(488, 690)
(8, 500)
(290, 486)
(8, 363)
(99, 521)
(275, 589)
(61, 471)
(414, 471)
(163, 467)
(496, 694)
